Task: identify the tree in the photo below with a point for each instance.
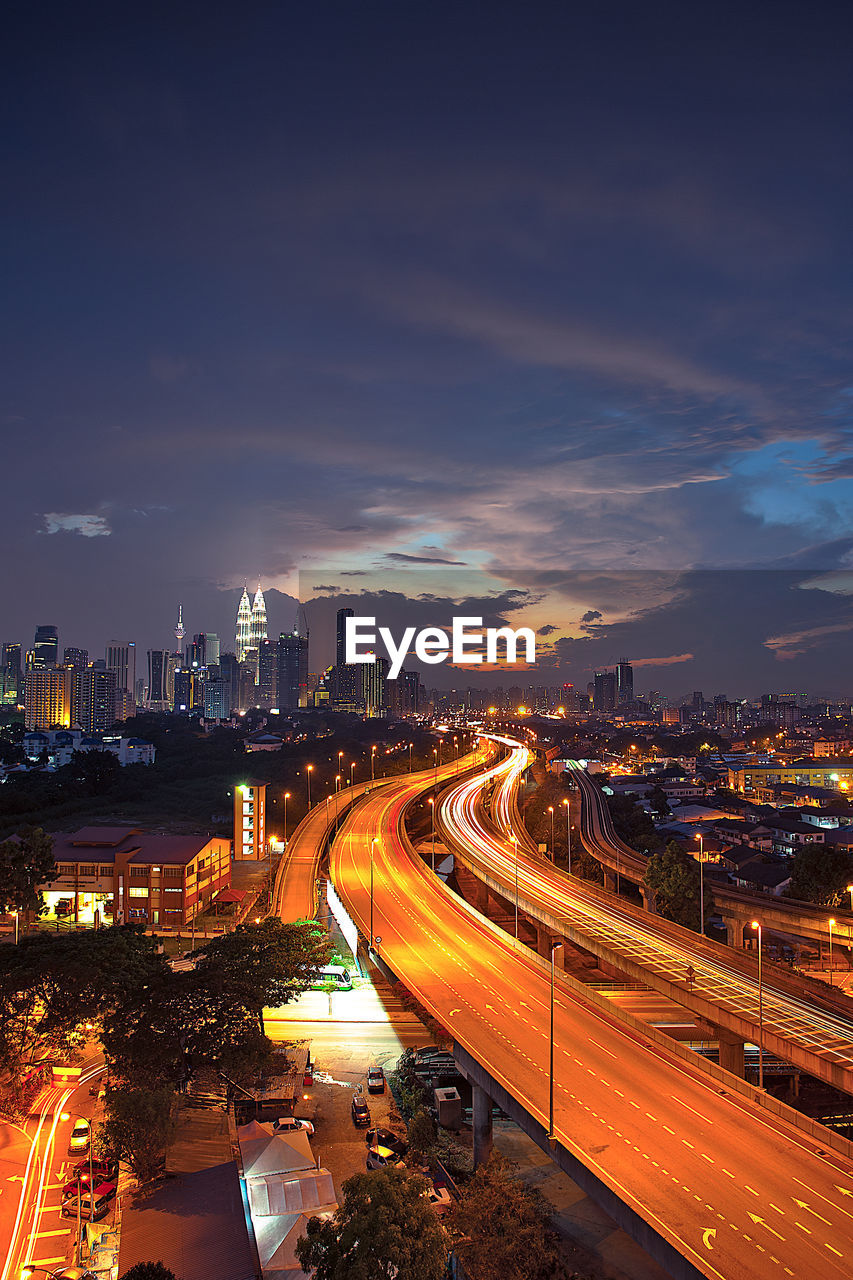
(673, 877)
(820, 873)
(138, 1126)
(506, 1227)
(384, 1229)
(149, 1271)
(657, 799)
(421, 1134)
(52, 985)
(26, 862)
(633, 825)
(268, 963)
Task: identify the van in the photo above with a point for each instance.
(92, 1206)
(335, 974)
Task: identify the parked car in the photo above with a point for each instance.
(292, 1124)
(360, 1111)
(101, 1171)
(78, 1143)
(93, 1205)
(383, 1158)
(375, 1080)
(386, 1138)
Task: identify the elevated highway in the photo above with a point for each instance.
(802, 1023)
(781, 915)
(711, 1177)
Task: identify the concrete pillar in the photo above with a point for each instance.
(543, 942)
(609, 880)
(649, 900)
(734, 933)
(482, 1105)
(731, 1053)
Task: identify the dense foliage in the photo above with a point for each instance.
(383, 1229)
(821, 873)
(673, 877)
(138, 1126)
(26, 862)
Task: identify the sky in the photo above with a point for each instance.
(542, 291)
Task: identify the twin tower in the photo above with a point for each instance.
(251, 624)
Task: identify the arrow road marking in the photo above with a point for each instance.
(707, 1236)
(755, 1218)
(803, 1205)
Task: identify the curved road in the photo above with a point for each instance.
(738, 1193)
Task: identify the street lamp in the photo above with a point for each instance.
(411, 744)
(568, 834)
(555, 947)
(831, 927)
(372, 843)
(66, 1273)
(551, 811)
(850, 891)
(431, 803)
(16, 914)
(351, 772)
(755, 925)
(66, 1115)
(514, 840)
(286, 798)
(701, 840)
(308, 771)
(372, 764)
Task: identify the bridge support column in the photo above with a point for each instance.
(544, 938)
(609, 880)
(649, 900)
(482, 1106)
(734, 933)
(731, 1053)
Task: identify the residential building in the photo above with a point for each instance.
(604, 692)
(250, 838)
(121, 658)
(93, 699)
(47, 698)
(117, 874)
(624, 682)
(60, 744)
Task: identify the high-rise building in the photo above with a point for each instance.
(604, 692)
(47, 698)
(229, 670)
(188, 690)
(121, 658)
(243, 639)
(346, 685)
(94, 699)
(372, 693)
(45, 648)
(698, 703)
(624, 682)
(75, 659)
(268, 674)
(340, 635)
(211, 648)
(216, 698)
(292, 671)
(259, 620)
(12, 668)
(161, 679)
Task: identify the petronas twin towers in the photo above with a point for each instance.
(251, 625)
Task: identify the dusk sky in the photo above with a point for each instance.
(539, 290)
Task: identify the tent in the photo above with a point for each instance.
(264, 1152)
(276, 1239)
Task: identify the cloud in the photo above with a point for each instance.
(795, 643)
(591, 615)
(547, 630)
(662, 662)
(402, 558)
(88, 526)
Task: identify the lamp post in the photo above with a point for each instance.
(351, 772)
(308, 771)
(514, 840)
(431, 803)
(373, 765)
(67, 1116)
(701, 840)
(551, 811)
(555, 947)
(456, 745)
(411, 744)
(340, 761)
(755, 925)
(286, 798)
(372, 843)
(568, 835)
(16, 914)
(65, 1273)
(434, 768)
(831, 927)
(850, 891)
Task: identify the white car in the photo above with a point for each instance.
(439, 1199)
(291, 1124)
(383, 1158)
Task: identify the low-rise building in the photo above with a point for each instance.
(836, 774)
(56, 746)
(113, 875)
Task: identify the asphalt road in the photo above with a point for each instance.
(737, 1192)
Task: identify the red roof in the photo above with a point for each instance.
(231, 895)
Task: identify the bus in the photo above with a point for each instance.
(335, 973)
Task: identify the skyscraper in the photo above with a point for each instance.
(161, 679)
(346, 686)
(604, 691)
(211, 648)
(259, 620)
(94, 699)
(121, 658)
(292, 671)
(45, 647)
(624, 682)
(76, 659)
(268, 674)
(243, 639)
(47, 699)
